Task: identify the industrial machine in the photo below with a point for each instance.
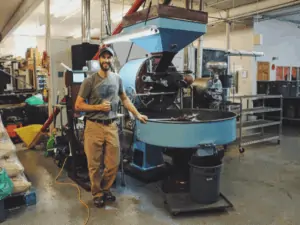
(213, 91)
(155, 87)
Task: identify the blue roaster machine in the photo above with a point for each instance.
(153, 84)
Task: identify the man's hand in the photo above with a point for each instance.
(131, 108)
(142, 118)
(104, 106)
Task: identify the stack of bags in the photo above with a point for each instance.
(10, 162)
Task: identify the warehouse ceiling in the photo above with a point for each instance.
(7, 11)
(290, 14)
(66, 14)
(13, 12)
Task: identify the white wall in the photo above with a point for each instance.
(17, 45)
(239, 40)
(280, 39)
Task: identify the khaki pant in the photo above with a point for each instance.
(95, 136)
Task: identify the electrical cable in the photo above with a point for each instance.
(78, 189)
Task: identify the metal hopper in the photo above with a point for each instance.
(162, 28)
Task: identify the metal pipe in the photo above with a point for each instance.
(85, 21)
(200, 49)
(244, 53)
(228, 28)
(50, 81)
(157, 93)
(108, 16)
(186, 49)
(101, 20)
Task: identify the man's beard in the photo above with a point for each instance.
(105, 68)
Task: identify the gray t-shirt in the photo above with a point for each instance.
(95, 89)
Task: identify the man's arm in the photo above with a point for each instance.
(128, 104)
(84, 92)
(80, 105)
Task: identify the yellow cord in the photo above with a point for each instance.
(79, 193)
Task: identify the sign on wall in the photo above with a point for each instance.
(263, 71)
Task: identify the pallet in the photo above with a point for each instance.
(177, 203)
(15, 201)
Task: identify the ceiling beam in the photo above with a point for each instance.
(23, 11)
(249, 10)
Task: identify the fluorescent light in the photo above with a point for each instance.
(123, 37)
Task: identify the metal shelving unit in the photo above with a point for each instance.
(244, 124)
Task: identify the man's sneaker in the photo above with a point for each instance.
(109, 196)
(99, 202)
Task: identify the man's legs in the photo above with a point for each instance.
(111, 159)
(93, 147)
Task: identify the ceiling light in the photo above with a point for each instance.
(123, 37)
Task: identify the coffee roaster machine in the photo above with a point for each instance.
(155, 87)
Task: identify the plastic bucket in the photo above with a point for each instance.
(205, 181)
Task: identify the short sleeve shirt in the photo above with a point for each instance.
(95, 89)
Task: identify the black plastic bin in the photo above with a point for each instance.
(3, 211)
(205, 173)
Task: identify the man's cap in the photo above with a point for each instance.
(106, 49)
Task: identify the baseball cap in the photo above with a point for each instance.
(106, 49)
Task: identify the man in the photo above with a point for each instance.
(215, 90)
(102, 90)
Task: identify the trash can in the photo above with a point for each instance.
(205, 175)
(3, 211)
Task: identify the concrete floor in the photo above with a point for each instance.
(264, 187)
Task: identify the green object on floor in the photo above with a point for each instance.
(6, 185)
(51, 142)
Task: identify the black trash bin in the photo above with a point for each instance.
(3, 211)
(205, 173)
